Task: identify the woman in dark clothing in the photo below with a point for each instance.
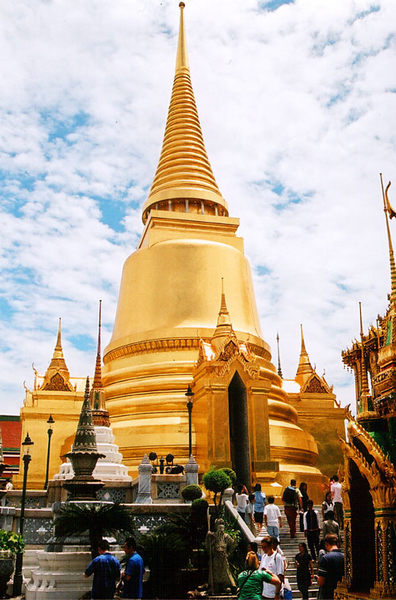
(304, 566)
(304, 500)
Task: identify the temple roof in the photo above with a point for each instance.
(183, 170)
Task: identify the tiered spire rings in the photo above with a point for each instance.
(184, 179)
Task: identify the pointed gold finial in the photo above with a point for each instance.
(184, 175)
(97, 383)
(304, 369)
(391, 255)
(224, 330)
(279, 361)
(223, 317)
(181, 56)
(365, 390)
(57, 375)
(58, 345)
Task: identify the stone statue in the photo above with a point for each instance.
(220, 545)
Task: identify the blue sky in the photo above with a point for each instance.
(297, 102)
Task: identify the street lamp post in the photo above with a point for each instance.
(17, 588)
(50, 432)
(190, 396)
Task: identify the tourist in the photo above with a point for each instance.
(336, 497)
(134, 570)
(304, 564)
(331, 568)
(303, 487)
(330, 526)
(281, 555)
(327, 505)
(250, 582)
(106, 572)
(311, 529)
(259, 506)
(242, 498)
(270, 561)
(292, 500)
(272, 517)
(252, 557)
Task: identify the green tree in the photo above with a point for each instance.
(98, 519)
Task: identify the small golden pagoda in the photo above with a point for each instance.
(169, 333)
(319, 413)
(369, 488)
(56, 394)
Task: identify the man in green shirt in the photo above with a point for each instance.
(250, 584)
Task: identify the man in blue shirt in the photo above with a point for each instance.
(331, 568)
(106, 572)
(134, 570)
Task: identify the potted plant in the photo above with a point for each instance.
(11, 544)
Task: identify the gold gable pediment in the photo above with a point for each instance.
(56, 384)
(315, 385)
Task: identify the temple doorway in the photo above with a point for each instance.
(239, 430)
(362, 532)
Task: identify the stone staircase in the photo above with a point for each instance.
(289, 547)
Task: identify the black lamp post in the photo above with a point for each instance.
(190, 396)
(50, 432)
(19, 558)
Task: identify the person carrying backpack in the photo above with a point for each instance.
(291, 498)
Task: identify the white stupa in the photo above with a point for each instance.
(109, 468)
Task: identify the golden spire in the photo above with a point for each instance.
(304, 369)
(97, 398)
(279, 361)
(391, 255)
(183, 172)
(224, 328)
(365, 391)
(57, 377)
(97, 383)
(181, 56)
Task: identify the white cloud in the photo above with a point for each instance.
(301, 99)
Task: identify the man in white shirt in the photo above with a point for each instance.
(335, 488)
(271, 561)
(272, 517)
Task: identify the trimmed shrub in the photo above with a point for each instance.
(216, 481)
(231, 474)
(191, 492)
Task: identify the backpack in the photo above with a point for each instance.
(289, 495)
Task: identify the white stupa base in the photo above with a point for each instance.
(60, 575)
(109, 468)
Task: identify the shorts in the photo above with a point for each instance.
(258, 517)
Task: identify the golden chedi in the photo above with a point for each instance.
(169, 333)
